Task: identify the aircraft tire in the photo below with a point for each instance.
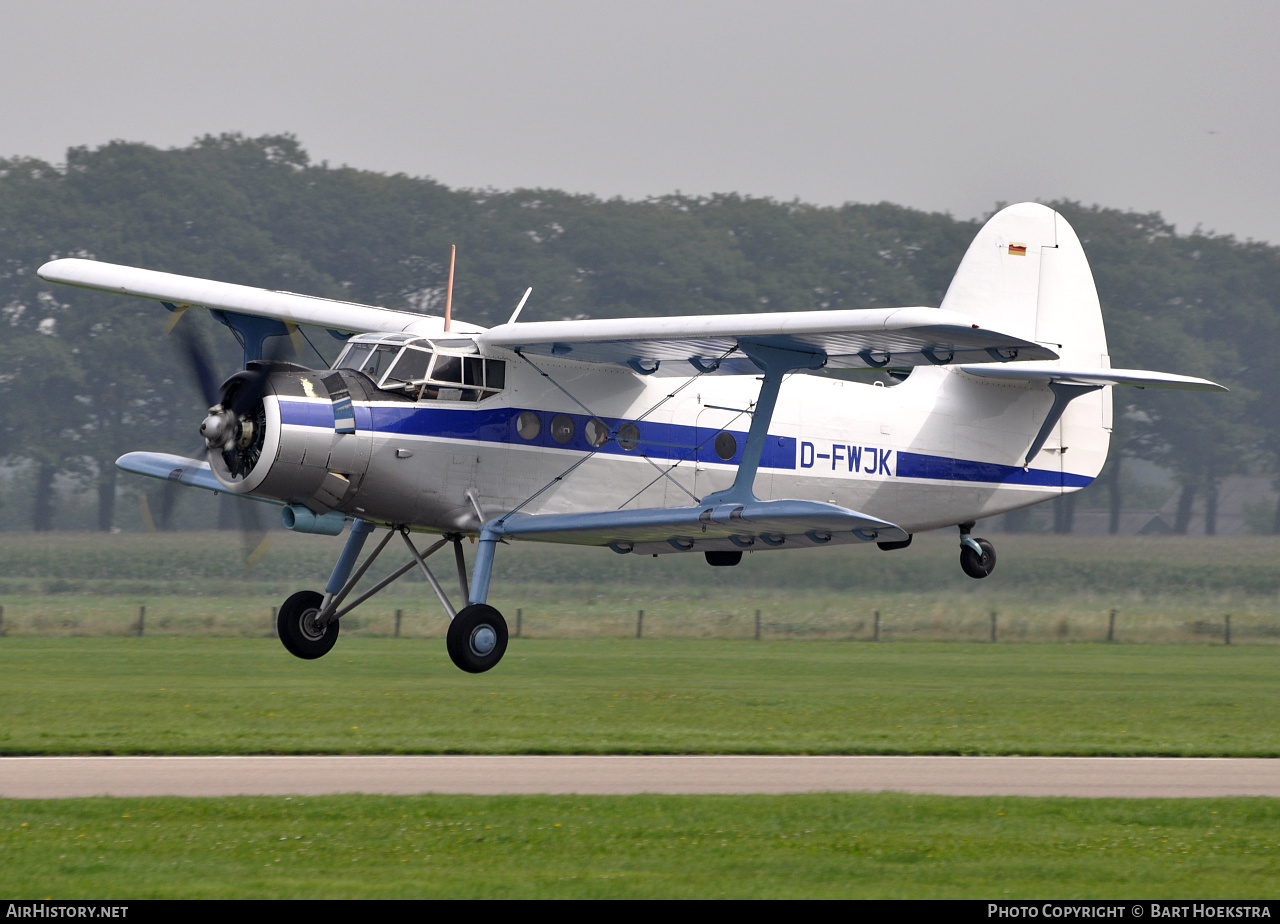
(477, 638)
(977, 567)
(296, 627)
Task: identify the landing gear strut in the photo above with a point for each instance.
(308, 622)
(977, 556)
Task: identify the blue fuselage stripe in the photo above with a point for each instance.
(658, 440)
(942, 468)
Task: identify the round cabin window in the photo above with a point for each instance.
(596, 432)
(726, 446)
(528, 425)
(628, 436)
(562, 428)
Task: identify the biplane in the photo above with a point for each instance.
(713, 435)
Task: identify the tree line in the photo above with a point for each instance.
(85, 376)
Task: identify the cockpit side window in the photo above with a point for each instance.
(464, 378)
(410, 368)
(447, 369)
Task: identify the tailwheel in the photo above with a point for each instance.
(974, 564)
(477, 638)
(296, 626)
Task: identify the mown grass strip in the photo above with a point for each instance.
(371, 696)
(808, 846)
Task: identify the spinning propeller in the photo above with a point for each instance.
(234, 427)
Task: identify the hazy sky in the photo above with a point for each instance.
(943, 106)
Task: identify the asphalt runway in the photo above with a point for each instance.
(1132, 777)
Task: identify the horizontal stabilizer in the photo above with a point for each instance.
(752, 525)
(329, 313)
(857, 338)
(194, 473)
(1138, 378)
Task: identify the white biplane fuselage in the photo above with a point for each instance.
(712, 434)
(909, 453)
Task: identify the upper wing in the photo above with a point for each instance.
(867, 338)
(1139, 378)
(347, 317)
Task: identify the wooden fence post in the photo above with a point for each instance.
(1111, 627)
(757, 625)
(142, 620)
(875, 633)
(639, 624)
(1226, 632)
(399, 616)
(519, 619)
(993, 626)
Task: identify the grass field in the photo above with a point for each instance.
(221, 695)
(808, 846)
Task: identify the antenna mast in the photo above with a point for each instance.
(448, 299)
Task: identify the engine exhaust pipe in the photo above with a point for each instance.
(301, 520)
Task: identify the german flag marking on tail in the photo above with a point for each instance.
(1017, 250)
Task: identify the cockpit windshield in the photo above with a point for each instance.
(403, 363)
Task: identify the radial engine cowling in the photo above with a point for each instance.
(297, 458)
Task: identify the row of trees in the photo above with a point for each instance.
(85, 377)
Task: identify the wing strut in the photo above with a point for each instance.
(775, 363)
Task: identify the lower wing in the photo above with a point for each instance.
(726, 527)
(194, 473)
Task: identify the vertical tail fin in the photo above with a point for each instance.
(1026, 274)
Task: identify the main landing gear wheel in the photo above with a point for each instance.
(477, 638)
(975, 565)
(296, 626)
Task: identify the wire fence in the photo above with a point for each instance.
(913, 620)
(1053, 590)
